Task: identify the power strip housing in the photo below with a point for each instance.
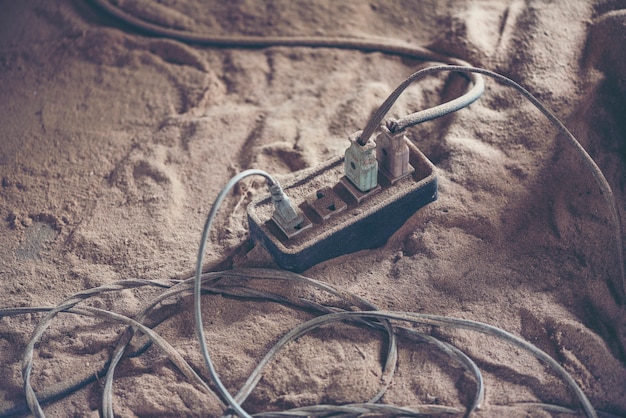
(339, 221)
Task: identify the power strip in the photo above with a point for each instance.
(338, 218)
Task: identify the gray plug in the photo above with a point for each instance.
(286, 214)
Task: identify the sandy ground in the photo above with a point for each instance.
(114, 144)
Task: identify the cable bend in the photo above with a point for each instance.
(428, 114)
(443, 109)
(226, 395)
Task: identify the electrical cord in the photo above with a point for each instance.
(198, 284)
(389, 368)
(386, 46)
(214, 283)
(394, 126)
(27, 360)
(605, 189)
(184, 288)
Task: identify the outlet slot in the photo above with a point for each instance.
(326, 203)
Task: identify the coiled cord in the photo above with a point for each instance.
(236, 283)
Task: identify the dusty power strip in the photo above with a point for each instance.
(338, 218)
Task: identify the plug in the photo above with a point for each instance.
(392, 153)
(286, 215)
(360, 166)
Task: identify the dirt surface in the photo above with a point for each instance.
(114, 144)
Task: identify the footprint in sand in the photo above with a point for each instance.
(145, 176)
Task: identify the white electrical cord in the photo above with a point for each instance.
(197, 302)
(605, 189)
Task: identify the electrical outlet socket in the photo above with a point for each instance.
(342, 220)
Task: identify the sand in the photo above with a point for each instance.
(114, 144)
